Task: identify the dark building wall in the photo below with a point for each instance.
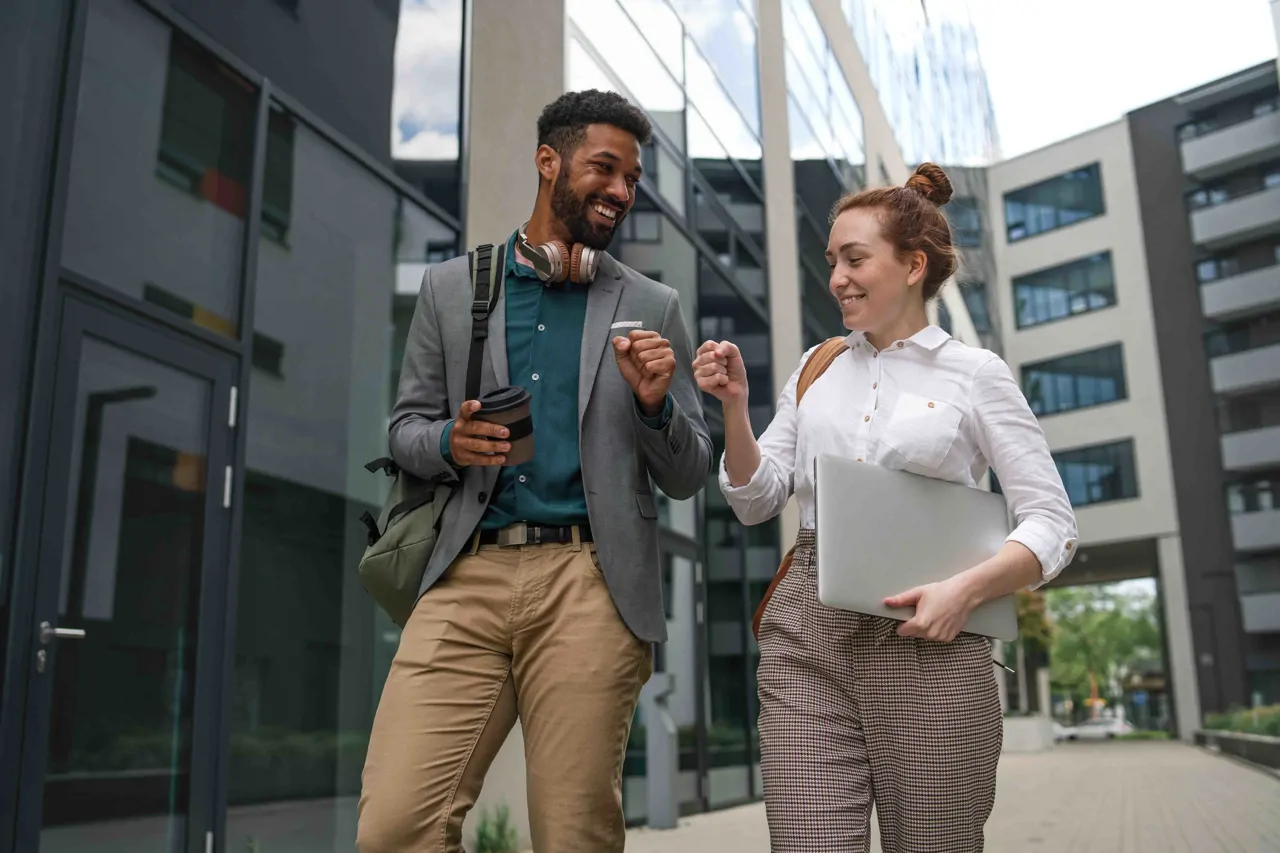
(1207, 549)
(335, 57)
(32, 37)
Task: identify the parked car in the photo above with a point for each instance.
(1103, 729)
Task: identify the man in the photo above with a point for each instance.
(544, 595)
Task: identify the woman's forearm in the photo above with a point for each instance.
(1013, 567)
(741, 452)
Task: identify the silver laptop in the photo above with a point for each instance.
(881, 532)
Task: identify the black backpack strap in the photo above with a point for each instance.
(487, 269)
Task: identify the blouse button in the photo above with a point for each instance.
(875, 385)
(931, 405)
(859, 458)
(899, 344)
(867, 418)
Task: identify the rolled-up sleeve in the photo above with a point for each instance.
(767, 492)
(1011, 439)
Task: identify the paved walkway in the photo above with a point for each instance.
(1128, 797)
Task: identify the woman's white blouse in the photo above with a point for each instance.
(930, 405)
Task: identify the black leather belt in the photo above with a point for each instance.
(533, 534)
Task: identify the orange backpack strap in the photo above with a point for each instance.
(826, 353)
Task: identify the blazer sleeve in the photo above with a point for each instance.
(678, 453)
(421, 412)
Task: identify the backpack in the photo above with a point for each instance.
(822, 357)
(403, 536)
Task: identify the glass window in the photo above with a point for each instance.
(1077, 287)
(1097, 474)
(965, 216)
(975, 299)
(1075, 381)
(1261, 494)
(723, 49)
(1064, 200)
(163, 145)
(312, 650)
(608, 29)
(428, 80)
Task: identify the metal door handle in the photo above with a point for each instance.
(48, 632)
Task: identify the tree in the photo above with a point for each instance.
(1101, 634)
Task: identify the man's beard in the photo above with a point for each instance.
(572, 212)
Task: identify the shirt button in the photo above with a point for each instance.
(867, 418)
(535, 377)
(523, 478)
(482, 497)
(899, 344)
(541, 328)
(875, 355)
(1068, 546)
(931, 405)
(875, 385)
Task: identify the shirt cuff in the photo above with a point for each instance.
(444, 444)
(663, 418)
(1053, 549)
(756, 487)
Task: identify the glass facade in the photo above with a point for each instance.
(698, 225)
(1056, 203)
(1077, 287)
(1075, 381)
(925, 65)
(828, 155)
(1099, 473)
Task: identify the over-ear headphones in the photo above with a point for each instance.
(554, 262)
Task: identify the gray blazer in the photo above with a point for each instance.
(620, 504)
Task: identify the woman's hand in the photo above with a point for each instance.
(941, 610)
(720, 372)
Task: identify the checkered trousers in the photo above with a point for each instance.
(851, 714)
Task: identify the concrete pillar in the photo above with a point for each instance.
(1181, 665)
(785, 327)
(505, 90)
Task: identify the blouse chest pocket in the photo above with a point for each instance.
(921, 430)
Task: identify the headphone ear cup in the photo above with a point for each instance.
(582, 269)
(560, 260)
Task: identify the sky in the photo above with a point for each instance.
(1057, 68)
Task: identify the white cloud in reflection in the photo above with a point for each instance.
(424, 106)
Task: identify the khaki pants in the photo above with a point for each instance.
(523, 631)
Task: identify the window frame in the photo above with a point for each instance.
(1074, 263)
(1044, 365)
(1095, 168)
(1117, 445)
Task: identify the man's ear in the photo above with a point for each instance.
(547, 160)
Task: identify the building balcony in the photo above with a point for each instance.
(1247, 371)
(1260, 613)
(1246, 217)
(1256, 531)
(1252, 449)
(1229, 148)
(1242, 295)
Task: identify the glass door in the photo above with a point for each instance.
(120, 728)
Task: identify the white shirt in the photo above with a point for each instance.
(930, 405)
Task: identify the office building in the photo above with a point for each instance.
(1136, 298)
(216, 220)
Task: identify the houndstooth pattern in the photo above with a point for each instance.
(850, 713)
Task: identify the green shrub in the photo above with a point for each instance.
(1254, 721)
(496, 835)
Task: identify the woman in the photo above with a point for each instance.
(859, 709)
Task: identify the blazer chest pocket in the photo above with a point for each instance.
(921, 430)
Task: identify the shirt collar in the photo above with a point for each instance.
(515, 266)
(930, 337)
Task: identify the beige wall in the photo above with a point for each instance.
(1153, 515)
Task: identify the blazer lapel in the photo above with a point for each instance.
(497, 341)
(602, 306)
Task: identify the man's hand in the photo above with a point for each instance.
(647, 362)
(941, 610)
(720, 372)
(476, 442)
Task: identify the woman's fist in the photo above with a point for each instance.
(720, 372)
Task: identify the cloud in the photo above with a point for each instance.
(428, 73)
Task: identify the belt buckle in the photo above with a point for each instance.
(513, 534)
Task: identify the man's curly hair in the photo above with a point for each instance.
(563, 123)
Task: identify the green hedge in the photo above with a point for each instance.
(1254, 721)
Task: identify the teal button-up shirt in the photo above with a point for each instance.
(544, 346)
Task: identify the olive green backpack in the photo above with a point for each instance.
(403, 536)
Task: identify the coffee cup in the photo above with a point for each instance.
(509, 407)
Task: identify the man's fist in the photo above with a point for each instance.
(476, 442)
(720, 372)
(647, 362)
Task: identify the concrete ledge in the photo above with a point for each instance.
(1027, 734)
(1261, 750)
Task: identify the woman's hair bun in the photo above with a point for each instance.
(931, 182)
